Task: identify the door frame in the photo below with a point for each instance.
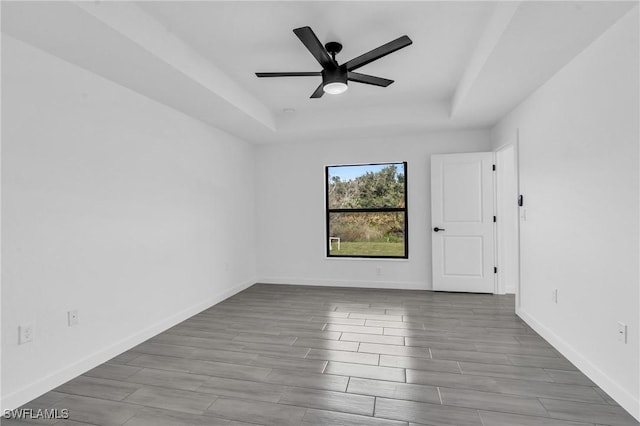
(502, 232)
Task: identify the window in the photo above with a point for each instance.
(366, 210)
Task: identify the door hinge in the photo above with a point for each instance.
(494, 167)
(494, 219)
(495, 269)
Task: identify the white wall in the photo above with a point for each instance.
(134, 214)
(578, 151)
(291, 208)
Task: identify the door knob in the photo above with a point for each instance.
(436, 229)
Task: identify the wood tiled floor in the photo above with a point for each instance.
(295, 355)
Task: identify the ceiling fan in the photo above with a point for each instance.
(334, 75)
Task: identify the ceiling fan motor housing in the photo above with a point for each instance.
(338, 75)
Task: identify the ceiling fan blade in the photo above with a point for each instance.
(378, 53)
(289, 74)
(368, 79)
(319, 91)
(311, 42)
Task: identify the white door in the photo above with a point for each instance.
(462, 227)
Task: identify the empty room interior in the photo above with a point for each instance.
(320, 213)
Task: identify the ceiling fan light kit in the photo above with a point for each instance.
(335, 77)
(335, 88)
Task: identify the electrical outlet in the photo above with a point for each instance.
(25, 333)
(72, 318)
(554, 296)
(622, 332)
(378, 270)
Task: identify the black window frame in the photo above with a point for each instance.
(404, 209)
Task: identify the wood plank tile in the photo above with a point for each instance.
(264, 338)
(409, 332)
(163, 363)
(344, 321)
(516, 350)
(302, 364)
(448, 344)
(231, 371)
(570, 377)
(337, 345)
(194, 342)
(451, 380)
(541, 361)
(263, 413)
(98, 388)
(605, 396)
(394, 350)
(324, 418)
(384, 317)
(312, 334)
(445, 366)
(405, 325)
(124, 357)
(159, 417)
(507, 371)
(492, 401)
(365, 371)
(46, 400)
(269, 349)
(234, 357)
(308, 380)
(394, 390)
(172, 399)
(328, 400)
(470, 356)
(353, 329)
(168, 379)
(582, 412)
(97, 411)
(342, 356)
(243, 389)
(549, 390)
(210, 332)
(373, 338)
(491, 418)
(162, 349)
(434, 414)
(113, 371)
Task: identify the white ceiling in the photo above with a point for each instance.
(469, 64)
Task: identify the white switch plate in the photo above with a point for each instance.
(25, 333)
(622, 332)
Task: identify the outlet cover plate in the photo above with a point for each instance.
(622, 332)
(25, 333)
(72, 317)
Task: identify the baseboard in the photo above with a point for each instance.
(57, 378)
(398, 285)
(615, 391)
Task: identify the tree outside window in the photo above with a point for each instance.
(366, 210)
